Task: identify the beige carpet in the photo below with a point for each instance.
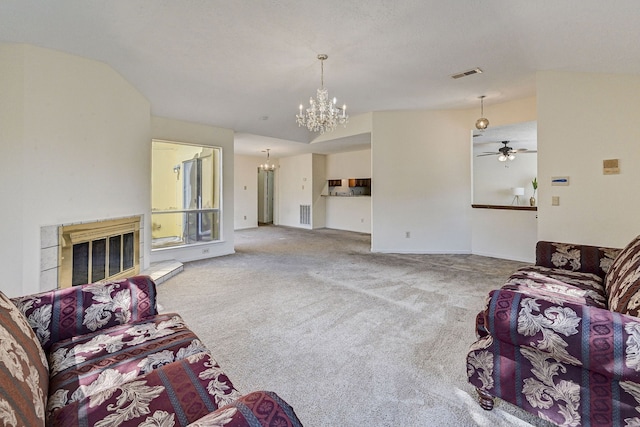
(347, 337)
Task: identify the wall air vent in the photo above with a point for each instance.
(305, 214)
(466, 73)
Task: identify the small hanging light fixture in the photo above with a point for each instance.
(482, 123)
(266, 166)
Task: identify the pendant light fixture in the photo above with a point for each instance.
(267, 166)
(322, 115)
(482, 123)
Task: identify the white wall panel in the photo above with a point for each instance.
(80, 150)
(246, 191)
(584, 119)
(295, 188)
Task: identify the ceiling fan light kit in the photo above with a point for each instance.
(482, 123)
(507, 153)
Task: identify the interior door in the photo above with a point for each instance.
(265, 196)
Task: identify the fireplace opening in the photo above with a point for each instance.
(98, 251)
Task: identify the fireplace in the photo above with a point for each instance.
(98, 251)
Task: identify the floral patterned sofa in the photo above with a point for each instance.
(101, 355)
(561, 339)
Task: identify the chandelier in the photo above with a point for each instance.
(322, 115)
(266, 166)
(482, 123)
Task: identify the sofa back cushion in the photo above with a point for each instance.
(64, 313)
(24, 373)
(622, 283)
(574, 257)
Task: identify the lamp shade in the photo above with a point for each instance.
(518, 191)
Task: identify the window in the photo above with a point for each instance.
(185, 190)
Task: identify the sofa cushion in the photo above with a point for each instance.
(62, 313)
(90, 363)
(567, 256)
(24, 374)
(260, 408)
(172, 395)
(622, 282)
(553, 284)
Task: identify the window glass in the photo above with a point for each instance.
(185, 194)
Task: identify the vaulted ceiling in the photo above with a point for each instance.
(248, 64)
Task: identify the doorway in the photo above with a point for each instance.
(265, 196)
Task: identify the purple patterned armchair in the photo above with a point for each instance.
(101, 355)
(561, 339)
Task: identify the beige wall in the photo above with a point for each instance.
(246, 191)
(294, 188)
(319, 180)
(75, 143)
(584, 119)
(353, 164)
(357, 125)
(12, 224)
(422, 183)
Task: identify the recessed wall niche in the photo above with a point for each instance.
(494, 180)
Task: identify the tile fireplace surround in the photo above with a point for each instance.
(51, 252)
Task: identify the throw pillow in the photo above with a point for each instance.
(24, 374)
(622, 283)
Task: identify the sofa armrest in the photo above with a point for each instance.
(582, 258)
(64, 313)
(591, 337)
(257, 408)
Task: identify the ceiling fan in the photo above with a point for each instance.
(507, 153)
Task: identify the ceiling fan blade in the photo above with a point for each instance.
(487, 154)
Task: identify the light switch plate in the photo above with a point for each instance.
(555, 200)
(611, 167)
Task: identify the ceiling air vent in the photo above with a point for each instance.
(466, 73)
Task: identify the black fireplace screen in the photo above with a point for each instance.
(102, 258)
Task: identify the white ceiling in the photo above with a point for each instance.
(519, 135)
(234, 63)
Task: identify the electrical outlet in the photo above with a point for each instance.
(555, 200)
(205, 250)
(407, 234)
